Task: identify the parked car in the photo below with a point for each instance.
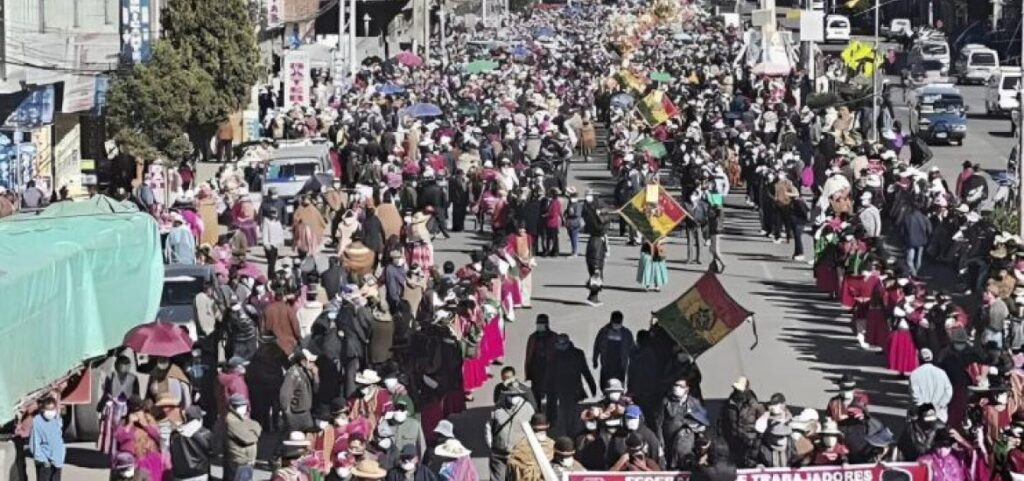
(898, 28)
(837, 28)
(930, 48)
(1002, 91)
(975, 64)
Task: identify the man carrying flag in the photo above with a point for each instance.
(656, 108)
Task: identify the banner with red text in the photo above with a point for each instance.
(854, 472)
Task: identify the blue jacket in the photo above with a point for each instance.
(47, 441)
(916, 229)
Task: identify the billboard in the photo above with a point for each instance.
(849, 472)
(275, 12)
(297, 81)
(34, 111)
(136, 40)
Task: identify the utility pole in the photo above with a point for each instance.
(342, 45)
(874, 83)
(3, 40)
(426, 31)
(931, 13)
(484, 2)
(353, 66)
(1020, 142)
(444, 33)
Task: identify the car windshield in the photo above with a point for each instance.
(180, 292)
(934, 49)
(983, 59)
(290, 171)
(1011, 83)
(837, 23)
(931, 65)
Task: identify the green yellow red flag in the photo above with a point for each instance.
(656, 108)
(702, 316)
(629, 80)
(653, 212)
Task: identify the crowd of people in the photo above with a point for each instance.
(361, 364)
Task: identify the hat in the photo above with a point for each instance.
(741, 384)
(445, 428)
(846, 382)
(367, 376)
(830, 428)
(124, 460)
(236, 362)
(614, 385)
(633, 412)
(237, 399)
(296, 438)
(289, 451)
(514, 389)
(777, 398)
(368, 468)
(700, 416)
(166, 400)
(452, 449)
(564, 446)
(539, 422)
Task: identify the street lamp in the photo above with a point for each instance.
(366, 24)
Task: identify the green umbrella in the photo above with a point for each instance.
(480, 66)
(652, 146)
(661, 77)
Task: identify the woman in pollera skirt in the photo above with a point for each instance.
(652, 271)
(902, 351)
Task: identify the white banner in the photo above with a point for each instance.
(297, 81)
(275, 10)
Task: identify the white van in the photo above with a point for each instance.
(976, 63)
(931, 49)
(292, 167)
(837, 28)
(1001, 91)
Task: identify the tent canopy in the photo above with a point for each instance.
(74, 278)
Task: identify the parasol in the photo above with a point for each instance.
(623, 101)
(423, 110)
(661, 76)
(480, 66)
(408, 59)
(544, 32)
(390, 89)
(652, 146)
(158, 338)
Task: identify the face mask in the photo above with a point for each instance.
(401, 416)
(615, 396)
(566, 463)
(322, 425)
(242, 410)
(343, 473)
(391, 383)
(776, 409)
(542, 327)
(590, 425)
(616, 326)
(50, 414)
(847, 395)
(163, 365)
(632, 424)
(679, 392)
(829, 441)
(541, 435)
(128, 473)
(590, 198)
(384, 443)
(341, 421)
(409, 466)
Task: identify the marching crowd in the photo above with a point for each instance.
(361, 365)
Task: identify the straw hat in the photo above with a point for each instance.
(452, 449)
(367, 376)
(369, 469)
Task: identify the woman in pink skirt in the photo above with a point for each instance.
(902, 351)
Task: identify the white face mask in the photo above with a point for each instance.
(542, 435)
(343, 473)
(829, 441)
(391, 383)
(409, 466)
(590, 198)
(163, 365)
(384, 443)
(590, 425)
(242, 410)
(775, 409)
(632, 424)
(322, 425)
(566, 462)
(128, 473)
(615, 396)
(50, 414)
(679, 392)
(401, 416)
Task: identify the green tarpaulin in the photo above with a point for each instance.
(73, 280)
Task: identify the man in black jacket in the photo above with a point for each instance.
(191, 445)
(566, 374)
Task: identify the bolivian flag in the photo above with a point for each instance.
(702, 316)
(629, 80)
(656, 108)
(860, 57)
(653, 212)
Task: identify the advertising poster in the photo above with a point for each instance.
(849, 472)
(295, 73)
(34, 111)
(135, 31)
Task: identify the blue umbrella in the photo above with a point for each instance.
(520, 51)
(623, 101)
(423, 110)
(543, 32)
(389, 89)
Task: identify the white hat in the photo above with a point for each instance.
(866, 195)
(741, 384)
(973, 217)
(367, 376)
(452, 449)
(296, 438)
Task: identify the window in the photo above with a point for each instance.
(1011, 83)
(290, 171)
(935, 49)
(983, 59)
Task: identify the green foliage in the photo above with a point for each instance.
(1005, 219)
(151, 107)
(219, 38)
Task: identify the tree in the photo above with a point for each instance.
(152, 106)
(219, 38)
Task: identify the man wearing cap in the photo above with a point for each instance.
(180, 245)
(540, 351)
(848, 395)
(612, 347)
(564, 460)
(736, 423)
(191, 447)
(930, 385)
(635, 458)
(408, 430)
(634, 426)
(241, 436)
(231, 380)
(505, 428)
(522, 465)
(567, 374)
(409, 467)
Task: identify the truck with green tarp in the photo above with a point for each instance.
(74, 278)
